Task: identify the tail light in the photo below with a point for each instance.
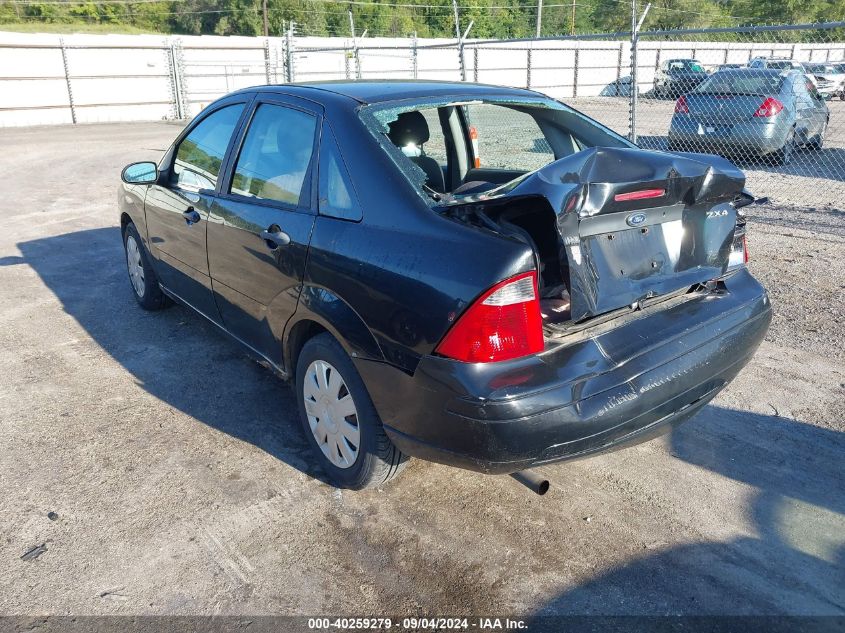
(502, 324)
(739, 251)
(681, 106)
(770, 107)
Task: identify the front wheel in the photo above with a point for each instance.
(339, 419)
(142, 277)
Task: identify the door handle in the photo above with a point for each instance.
(275, 237)
(191, 216)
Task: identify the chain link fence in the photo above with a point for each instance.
(769, 98)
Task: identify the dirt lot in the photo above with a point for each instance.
(181, 483)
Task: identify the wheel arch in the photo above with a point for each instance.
(321, 310)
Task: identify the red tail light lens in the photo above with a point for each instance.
(770, 107)
(681, 106)
(502, 324)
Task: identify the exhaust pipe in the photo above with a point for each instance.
(531, 480)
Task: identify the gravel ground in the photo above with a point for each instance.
(181, 484)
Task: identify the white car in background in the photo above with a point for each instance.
(830, 79)
(781, 63)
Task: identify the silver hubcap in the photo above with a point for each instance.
(331, 413)
(136, 268)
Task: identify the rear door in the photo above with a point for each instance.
(177, 209)
(260, 225)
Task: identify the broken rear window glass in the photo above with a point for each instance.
(444, 147)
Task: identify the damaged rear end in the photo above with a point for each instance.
(612, 228)
(639, 310)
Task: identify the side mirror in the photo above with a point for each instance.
(145, 173)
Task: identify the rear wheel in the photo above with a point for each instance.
(817, 142)
(783, 156)
(142, 277)
(339, 419)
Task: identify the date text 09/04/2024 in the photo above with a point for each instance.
(418, 623)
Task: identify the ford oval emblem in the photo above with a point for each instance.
(636, 219)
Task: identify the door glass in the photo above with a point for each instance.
(276, 155)
(200, 154)
(508, 138)
(337, 196)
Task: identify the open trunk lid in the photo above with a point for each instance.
(616, 245)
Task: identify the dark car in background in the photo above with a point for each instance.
(677, 76)
(474, 275)
(750, 113)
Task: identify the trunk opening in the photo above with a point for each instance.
(616, 229)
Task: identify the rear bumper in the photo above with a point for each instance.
(744, 138)
(614, 385)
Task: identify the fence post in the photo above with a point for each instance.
(528, 69)
(181, 80)
(346, 55)
(289, 53)
(414, 55)
(267, 59)
(575, 73)
(619, 64)
(67, 81)
(632, 104)
(175, 89)
(475, 64)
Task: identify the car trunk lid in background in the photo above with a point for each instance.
(635, 224)
(723, 109)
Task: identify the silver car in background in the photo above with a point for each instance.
(748, 113)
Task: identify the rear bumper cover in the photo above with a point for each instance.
(741, 137)
(614, 385)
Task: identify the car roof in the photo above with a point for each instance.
(384, 90)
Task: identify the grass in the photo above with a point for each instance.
(78, 27)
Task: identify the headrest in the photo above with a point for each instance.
(409, 127)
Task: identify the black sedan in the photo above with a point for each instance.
(474, 275)
(677, 76)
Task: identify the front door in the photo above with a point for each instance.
(260, 225)
(177, 209)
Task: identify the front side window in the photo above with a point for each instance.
(200, 154)
(275, 158)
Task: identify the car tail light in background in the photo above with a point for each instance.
(681, 106)
(502, 324)
(769, 108)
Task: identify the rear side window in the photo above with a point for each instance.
(200, 154)
(739, 82)
(337, 194)
(275, 158)
(508, 139)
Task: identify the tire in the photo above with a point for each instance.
(325, 377)
(783, 156)
(817, 142)
(142, 278)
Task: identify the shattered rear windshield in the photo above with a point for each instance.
(451, 146)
